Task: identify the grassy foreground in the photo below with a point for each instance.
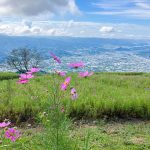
(104, 95)
(99, 135)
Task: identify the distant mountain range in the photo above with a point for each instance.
(75, 47)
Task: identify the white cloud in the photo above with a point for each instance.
(108, 5)
(130, 8)
(35, 30)
(73, 7)
(76, 29)
(136, 13)
(27, 23)
(37, 7)
(70, 23)
(82, 32)
(143, 5)
(106, 29)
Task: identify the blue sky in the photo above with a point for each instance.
(80, 18)
(116, 11)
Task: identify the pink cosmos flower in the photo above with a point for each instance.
(55, 57)
(74, 94)
(22, 81)
(76, 65)
(34, 70)
(66, 83)
(61, 73)
(26, 76)
(4, 124)
(85, 74)
(12, 134)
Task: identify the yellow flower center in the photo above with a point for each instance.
(65, 83)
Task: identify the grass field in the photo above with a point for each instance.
(115, 135)
(103, 97)
(102, 135)
(122, 95)
(7, 75)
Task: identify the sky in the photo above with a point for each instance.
(127, 19)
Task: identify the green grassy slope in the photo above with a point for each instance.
(7, 75)
(101, 95)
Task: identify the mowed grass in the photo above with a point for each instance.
(103, 95)
(98, 134)
(113, 135)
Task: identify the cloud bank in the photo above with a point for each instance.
(37, 7)
(75, 29)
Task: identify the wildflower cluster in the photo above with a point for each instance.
(67, 81)
(10, 133)
(85, 74)
(24, 78)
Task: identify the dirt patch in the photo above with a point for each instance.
(138, 140)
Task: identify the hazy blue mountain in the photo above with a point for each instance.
(100, 54)
(58, 44)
